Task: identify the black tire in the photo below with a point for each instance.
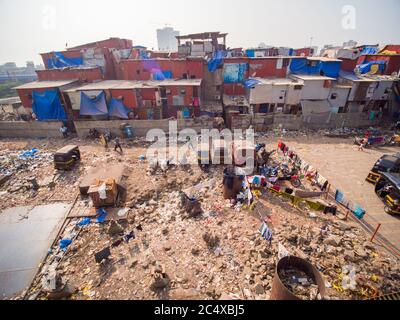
(388, 210)
(296, 183)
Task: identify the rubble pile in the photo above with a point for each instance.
(299, 283)
(166, 247)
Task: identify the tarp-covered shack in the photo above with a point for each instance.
(44, 98)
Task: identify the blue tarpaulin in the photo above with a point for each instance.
(216, 61)
(369, 50)
(60, 61)
(248, 83)
(305, 66)
(47, 106)
(161, 75)
(93, 107)
(118, 110)
(101, 215)
(250, 53)
(366, 67)
(28, 154)
(234, 72)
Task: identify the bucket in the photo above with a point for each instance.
(232, 183)
(279, 290)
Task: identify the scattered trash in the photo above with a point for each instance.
(102, 255)
(64, 243)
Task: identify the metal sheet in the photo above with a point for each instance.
(26, 234)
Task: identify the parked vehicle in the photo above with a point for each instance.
(387, 163)
(66, 157)
(387, 189)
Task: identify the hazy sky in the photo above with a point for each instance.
(29, 27)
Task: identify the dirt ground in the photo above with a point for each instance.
(346, 168)
(219, 254)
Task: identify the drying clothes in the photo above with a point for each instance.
(266, 232)
(285, 150)
(321, 181)
(257, 180)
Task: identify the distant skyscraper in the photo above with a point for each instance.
(166, 39)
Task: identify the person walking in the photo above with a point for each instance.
(64, 130)
(117, 145)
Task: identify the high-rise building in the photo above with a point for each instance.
(166, 39)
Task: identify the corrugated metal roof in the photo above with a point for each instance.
(127, 84)
(311, 77)
(326, 59)
(45, 84)
(279, 81)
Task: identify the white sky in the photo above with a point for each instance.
(29, 27)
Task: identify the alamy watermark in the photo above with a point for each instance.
(349, 17)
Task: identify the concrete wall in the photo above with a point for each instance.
(31, 129)
(263, 122)
(314, 90)
(140, 127)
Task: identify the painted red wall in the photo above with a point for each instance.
(393, 47)
(112, 43)
(137, 69)
(265, 68)
(175, 91)
(303, 51)
(84, 75)
(392, 62)
(234, 89)
(348, 65)
(128, 95)
(25, 93)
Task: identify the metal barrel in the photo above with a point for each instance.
(280, 292)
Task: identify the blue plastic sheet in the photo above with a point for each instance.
(234, 72)
(304, 66)
(118, 110)
(369, 50)
(93, 107)
(47, 106)
(83, 222)
(249, 83)
(216, 61)
(186, 113)
(366, 67)
(64, 243)
(250, 53)
(60, 61)
(101, 215)
(28, 154)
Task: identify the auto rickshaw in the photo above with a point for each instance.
(387, 163)
(66, 157)
(388, 190)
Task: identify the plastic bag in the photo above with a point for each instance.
(102, 191)
(282, 252)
